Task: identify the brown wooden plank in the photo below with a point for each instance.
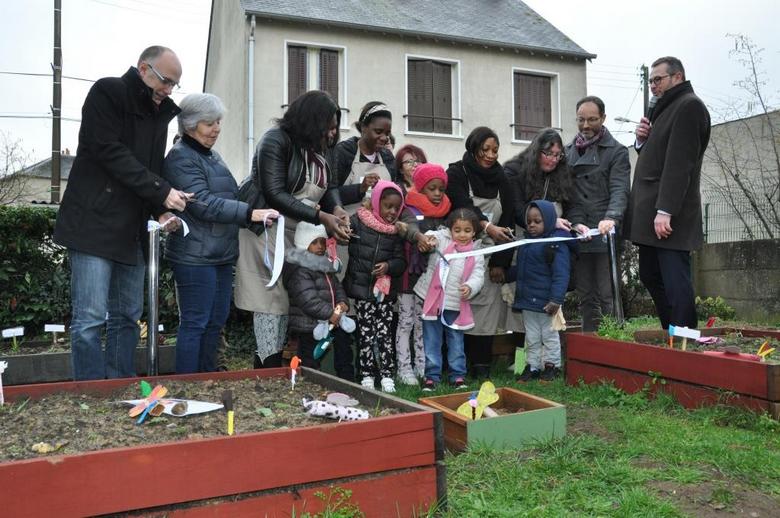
(740, 376)
(398, 493)
(689, 396)
(773, 383)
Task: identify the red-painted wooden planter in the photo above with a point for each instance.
(693, 378)
(392, 464)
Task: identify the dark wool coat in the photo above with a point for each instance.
(602, 179)
(115, 181)
(343, 156)
(539, 279)
(306, 276)
(281, 171)
(213, 237)
(372, 247)
(516, 174)
(668, 172)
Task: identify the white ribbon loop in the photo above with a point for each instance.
(521, 242)
(276, 267)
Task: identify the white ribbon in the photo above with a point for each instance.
(3, 367)
(520, 242)
(276, 268)
(154, 225)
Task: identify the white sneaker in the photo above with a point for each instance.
(367, 382)
(388, 385)
(409, 379)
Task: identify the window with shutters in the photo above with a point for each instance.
(432, 97)
(312, 66)
(533, 109)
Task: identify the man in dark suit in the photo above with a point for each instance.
(114, 186)
(664, 211)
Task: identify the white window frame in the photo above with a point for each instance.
(312, 71)
(457, 126)
(555, 98)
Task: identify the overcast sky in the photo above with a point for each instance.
(104, 37)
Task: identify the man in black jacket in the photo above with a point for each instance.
(114, 185)
(664, 211)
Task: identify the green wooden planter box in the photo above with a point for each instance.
(523, 418)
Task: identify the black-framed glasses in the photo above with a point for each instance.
(164, 80)
(657, 79)
(554, 156)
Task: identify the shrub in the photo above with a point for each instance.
(714, 307)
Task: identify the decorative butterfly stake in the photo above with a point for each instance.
(765, 350)
(150, 405)
(486, 397)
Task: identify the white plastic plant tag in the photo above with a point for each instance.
(54, 328)
(161, 328)
(684, 332)
(13, 331)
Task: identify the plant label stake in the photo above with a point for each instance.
(227, 400)
(710, 322)
(293, 371)
(54, 329)
(3, 367)
(685, 333)
(12, 333)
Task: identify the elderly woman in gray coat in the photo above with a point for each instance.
(203, 260)
(601, 173)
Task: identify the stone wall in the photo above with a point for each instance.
(745, 273)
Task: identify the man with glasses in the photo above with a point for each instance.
(601, 173)
(664, 212)
(114, 186)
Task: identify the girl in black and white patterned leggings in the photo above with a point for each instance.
(376, 257)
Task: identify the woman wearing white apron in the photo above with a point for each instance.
(294, 178)
(478, 182)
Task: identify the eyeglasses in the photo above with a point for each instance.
(164, 80)
(657, 79)
(590, 120)
(554, 156)
(411, 161)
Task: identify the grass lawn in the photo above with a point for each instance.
(624, 455)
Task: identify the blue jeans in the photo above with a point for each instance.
(456, 358)
(104, 293)
(203, 293)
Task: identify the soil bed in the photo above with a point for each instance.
(746, 344)
(89, 422)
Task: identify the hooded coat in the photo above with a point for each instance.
(542, 269)
(313, 289)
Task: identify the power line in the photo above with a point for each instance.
(35, 74)
(610, 86)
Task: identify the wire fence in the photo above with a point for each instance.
(725, 222)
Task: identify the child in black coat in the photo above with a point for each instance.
(317, 299)
(376, 256)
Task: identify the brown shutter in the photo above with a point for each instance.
(533, 108)
(442, 98)
(420, 91)
(296, 72)
(329, 72)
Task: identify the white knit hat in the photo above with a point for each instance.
(305, 233)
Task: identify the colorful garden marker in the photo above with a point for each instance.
(294, 370)
(710, 322)
(227, 400)
(685, 333)
(765, 350)
(486, 397)
(149, 402)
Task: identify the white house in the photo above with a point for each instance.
(442, 66)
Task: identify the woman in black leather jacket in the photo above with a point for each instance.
(203, 260)
(292, 173)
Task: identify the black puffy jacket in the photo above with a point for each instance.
(313, 289)
(281, 171)
(213, 237)
(372, 247)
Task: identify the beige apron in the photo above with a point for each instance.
(251, 273)
(492, 315)
(357, 171)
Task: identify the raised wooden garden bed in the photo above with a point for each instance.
(695, 379)
(47, 367)
(391, 463)
(523, 418)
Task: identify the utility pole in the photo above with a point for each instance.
(56, 108)
(645, 87)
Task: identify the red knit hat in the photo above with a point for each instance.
(424, 173)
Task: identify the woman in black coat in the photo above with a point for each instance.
(295, 179)
(478, 182)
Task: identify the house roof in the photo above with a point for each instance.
(42, 169)
(506, 23)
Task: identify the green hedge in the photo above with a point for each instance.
(35, 274)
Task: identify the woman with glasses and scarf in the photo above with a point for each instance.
(290, 173)
(478, 182)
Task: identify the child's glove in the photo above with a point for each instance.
(381, 287)
(551, 307)
(508, 293)
(321, 330)
(347, 324)
(558, 322)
